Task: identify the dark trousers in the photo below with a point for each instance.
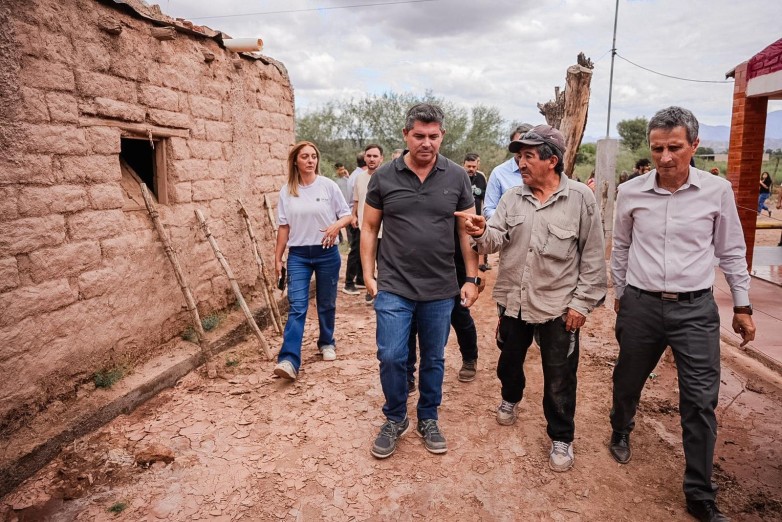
(559, 351)
(353, 271)
(466, 335)
(645, 325)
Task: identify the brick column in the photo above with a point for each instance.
(745, 153)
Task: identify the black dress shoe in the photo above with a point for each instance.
(705, 511)
(620, 447)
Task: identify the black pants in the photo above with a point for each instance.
(353, 271)
(559, 353)
(645, 325)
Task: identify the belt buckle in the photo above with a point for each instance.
(669, 296)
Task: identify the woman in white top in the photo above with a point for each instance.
(311, 212)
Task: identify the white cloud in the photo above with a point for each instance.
(508, 53)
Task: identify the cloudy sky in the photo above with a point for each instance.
(506, 53)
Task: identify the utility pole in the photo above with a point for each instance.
(611, 80)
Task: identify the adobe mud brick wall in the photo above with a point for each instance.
(83, 283)
(745, 153)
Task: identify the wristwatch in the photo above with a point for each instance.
(743, 309)
(474, 280)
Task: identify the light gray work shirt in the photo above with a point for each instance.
(552, 255)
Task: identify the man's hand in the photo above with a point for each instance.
(354, 221)
(474, 224)
(371, 285)
(573, 320)
(469, 294)
(744, 326)
(616, 306)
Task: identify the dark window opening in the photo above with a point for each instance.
(140, 156)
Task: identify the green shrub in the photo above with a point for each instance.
(108, 377)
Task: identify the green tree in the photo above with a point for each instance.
(586, 154)
(704, 151)
(343, 128)
(633, 132)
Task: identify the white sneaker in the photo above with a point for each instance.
(507, 413)
(285, 370)
(329, 352)
(561, 456)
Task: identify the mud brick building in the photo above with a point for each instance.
(95, 96)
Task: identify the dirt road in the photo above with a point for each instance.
(249, 446)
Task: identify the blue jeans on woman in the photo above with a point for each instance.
(762, 197)
(302, 262)
(395, 316)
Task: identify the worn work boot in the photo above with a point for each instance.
(467, 373)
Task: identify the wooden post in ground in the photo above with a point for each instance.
(568, 111)
(605, 186)
(234, 284)
(274, 311)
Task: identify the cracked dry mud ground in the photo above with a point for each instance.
(249, 446)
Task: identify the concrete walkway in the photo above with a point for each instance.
(766, 299)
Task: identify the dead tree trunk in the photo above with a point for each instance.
(568, 111)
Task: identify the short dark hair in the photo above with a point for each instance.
(643, 162)
(471, 156)
(425, 113)
(521, 130)
(545, 151)
(674, 117)
(360, 160)
(338, 165)
(374, 146)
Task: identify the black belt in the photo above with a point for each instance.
(674, 296)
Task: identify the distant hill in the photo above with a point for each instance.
(718, 136)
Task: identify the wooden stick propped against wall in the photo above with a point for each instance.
(269, 211)
(180, 276)
(234, 284)
(267, 284)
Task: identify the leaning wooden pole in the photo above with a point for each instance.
(171, 253)
(234, 284)
(270, 212)
(267, 284)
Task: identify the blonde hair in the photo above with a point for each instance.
(294, 177)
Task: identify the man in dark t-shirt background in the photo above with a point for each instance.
(415, 197)
(471, 164)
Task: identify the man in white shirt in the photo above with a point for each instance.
(354, 276)
(373, 157)
(670, 224)
(504, 176)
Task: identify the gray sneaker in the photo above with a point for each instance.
(467, 373)
(390, 432)
(433, 438)
(328, 352)
(507, 413)
(561, 456)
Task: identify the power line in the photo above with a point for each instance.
(314, 9)
(671, 76)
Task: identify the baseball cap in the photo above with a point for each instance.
(539, 135)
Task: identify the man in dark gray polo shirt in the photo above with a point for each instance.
(415, 197)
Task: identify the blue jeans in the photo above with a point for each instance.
(395, 316)
(466, 336)
(302, 262)
(762, 197)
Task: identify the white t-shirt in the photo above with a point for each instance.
(360, 195)
(315, 209)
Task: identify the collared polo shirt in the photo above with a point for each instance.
(416, 260)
